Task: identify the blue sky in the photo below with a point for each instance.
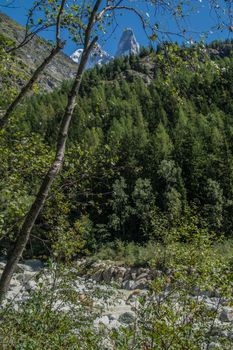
(202, 20)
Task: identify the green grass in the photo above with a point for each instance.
(151, 253)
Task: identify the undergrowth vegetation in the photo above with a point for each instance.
(174, 312)
(154, 253)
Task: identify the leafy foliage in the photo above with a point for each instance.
(150, 143)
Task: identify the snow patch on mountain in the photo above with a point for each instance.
(76, 55)
(98, 56)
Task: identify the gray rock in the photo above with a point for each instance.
(119, 272)
(2, 265)
(127, 318)
(211, 305)
(128, 284)
(104, 320)
(19, 268)
(25, 277)
(230, 335)
(133, 297)
(98, 265)
(226, 314)
(225, 334)
(19, 277)
(30, 285)
(12, 294)
(218, 329)
(14, 283)
(142, 270)
(24, 297)
(108, 274)
(119, 281)
(205, 293)
(143, 275)
(133, 275)
(213, 346)
(114, 324)
(223, 301)
(28, 276)
(127, 275)
(111, 317)
(33, 265)
(140, 284)
(98, 276)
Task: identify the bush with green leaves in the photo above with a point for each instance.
(55, 316)
(176, 314)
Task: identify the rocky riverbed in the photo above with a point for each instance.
(117, 304)
(115, 291)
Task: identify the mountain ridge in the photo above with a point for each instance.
(34, 52)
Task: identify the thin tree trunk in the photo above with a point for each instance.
(36, 207)
(4, 120)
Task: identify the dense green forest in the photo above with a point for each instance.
(150, 153)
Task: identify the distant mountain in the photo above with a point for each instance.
(76, 55)
(98, 56)
(127, 45)
(30, 56)
(64, 68)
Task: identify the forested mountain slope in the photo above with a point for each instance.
(150, 151)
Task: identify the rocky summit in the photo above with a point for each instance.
(128, 44)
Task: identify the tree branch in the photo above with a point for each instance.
(128, 8)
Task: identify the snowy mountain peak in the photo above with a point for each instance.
(76, 55)
(98, 56)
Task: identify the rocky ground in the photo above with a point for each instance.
(121, 286)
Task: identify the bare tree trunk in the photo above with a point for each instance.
(36, 207)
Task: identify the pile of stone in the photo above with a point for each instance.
(129, 278)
